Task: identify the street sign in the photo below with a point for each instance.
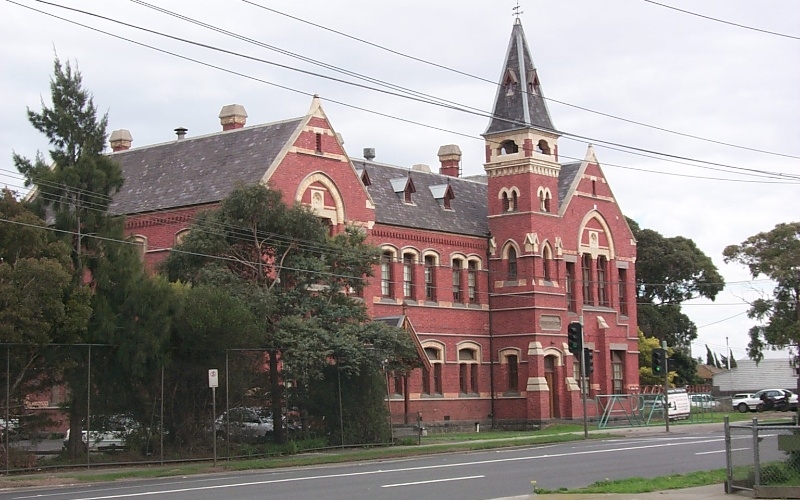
(213, 378)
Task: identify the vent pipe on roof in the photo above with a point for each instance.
(369, 154)
(181, 132)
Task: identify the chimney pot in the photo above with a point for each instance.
(369, 154)
(181, 132)
(232, 116)
(450, 159)
(120, 140)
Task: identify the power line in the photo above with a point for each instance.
(723, 21)
(427, 99)
(494, 83)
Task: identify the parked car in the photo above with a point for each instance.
(739, 401)
(244, 422)
(706, 401)
(751, 404)
(111, 432)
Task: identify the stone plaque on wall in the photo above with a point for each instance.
(549, 322)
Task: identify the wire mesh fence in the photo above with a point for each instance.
(764, 457)
(169, 411)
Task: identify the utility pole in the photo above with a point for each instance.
(666, 385)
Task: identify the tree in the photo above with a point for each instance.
(296, 280)
(646, 347)
(776, 255)
(75, 189)
(36, 309)
(670, 271)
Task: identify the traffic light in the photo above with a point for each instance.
(588, 358)
(659, 361)
(575, 337)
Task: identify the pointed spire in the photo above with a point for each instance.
(519, 102)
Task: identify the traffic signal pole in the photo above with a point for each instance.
(666, 385)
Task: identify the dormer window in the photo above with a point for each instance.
(404, 187)
(443, 194)
(533, 82)
(510, 82)
(508, 147)
(362, 174)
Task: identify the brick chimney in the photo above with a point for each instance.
(450, 159)
(232, 116)
(120, 140)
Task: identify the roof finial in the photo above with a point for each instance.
(517, 11)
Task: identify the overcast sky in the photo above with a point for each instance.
(629, 59)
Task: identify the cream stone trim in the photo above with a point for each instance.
(390, 248)
(492, 246)
(559, 247)
(552, 351)
(428, 252)
(510, 243)
(532, 242)
(439, 346)
(537, 384)
(513, 351)
(608, 253)
(333, 190)
(535, 349)
(572, 385)
(410, 250)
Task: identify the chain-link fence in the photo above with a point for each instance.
(129, 411)
(763, 458)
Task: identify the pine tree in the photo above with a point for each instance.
(74, 192)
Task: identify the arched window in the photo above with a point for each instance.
(602, 284)
(386, 274)
(458, 296)
(514, 206)
(508, 147)
(547, 263)
(430, 278)
(408, 275)
(512, 264)
(543, 147)
(506, 202)
(468, 363)
(432, 382)
(586, 277)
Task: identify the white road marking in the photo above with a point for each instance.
(720, 451)
(367, 473)
(431, 481)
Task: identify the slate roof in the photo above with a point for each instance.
(565, 177)
(525, 106)
(468, 214)
(197, 170)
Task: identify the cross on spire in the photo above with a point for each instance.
(517, 11)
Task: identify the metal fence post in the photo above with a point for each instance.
(756, 464)
(728, 454)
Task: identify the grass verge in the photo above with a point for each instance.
(635, 485)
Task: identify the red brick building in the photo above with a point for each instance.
(485, 272)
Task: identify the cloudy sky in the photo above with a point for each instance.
(722, 100)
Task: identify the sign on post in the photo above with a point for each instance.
(213, 378)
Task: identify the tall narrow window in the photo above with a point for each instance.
(514, 201)
(617, 372)
(602, 285)
(430, 278)
(513, 373)
(506, 203)
(386, 274)
(570, 287)
(457, 296)
(398, 384)
(468, 371)
(586, 276)
(622, 288)
(426, 380)
(408, 275)
(472, 281)
(318, 141)
(437, 378)
(547, 263)
(435, 357)
(512, 264)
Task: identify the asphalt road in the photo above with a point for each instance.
(475, 475)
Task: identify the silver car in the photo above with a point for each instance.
(244, 423)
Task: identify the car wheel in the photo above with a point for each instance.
(742, 407)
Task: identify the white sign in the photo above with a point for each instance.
(213, 378)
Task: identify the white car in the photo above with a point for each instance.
(706, 401)
(108, 440)
(244, 422)
(743, 405)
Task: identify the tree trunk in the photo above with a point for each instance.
(276, 391)
(75, 446)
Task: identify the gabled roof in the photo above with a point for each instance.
(468, 210)
(198, 170)
(519, 102)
